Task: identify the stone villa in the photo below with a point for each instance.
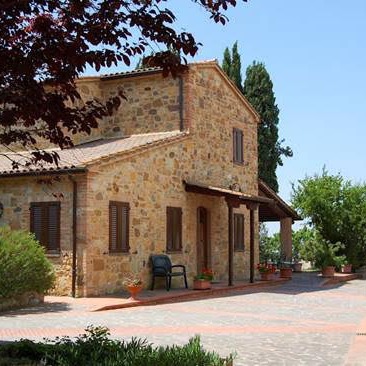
(173, 171)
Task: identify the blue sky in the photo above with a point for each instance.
(315, 54)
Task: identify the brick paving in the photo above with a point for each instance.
(299, 322)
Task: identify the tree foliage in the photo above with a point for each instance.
(269, 246)
(226, 62)
(46, 44)
(258, 89)
(337, 209)
(231, 64)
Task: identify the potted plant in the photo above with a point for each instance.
(132, 284)
(296, 264)
(327, 258)
(203, 280)
(286, 271)
(266, 271)
(346, 268)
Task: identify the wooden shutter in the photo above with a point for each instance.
(53, 226)
(113, 238)
(119, 227)
(173, 229)
(45, 224)
(238, 231)
(36, 221)
(238, 155)
(124, 213)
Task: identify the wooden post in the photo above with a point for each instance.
(252, 207)
(231, 203)
(231, 244)
(252, 264)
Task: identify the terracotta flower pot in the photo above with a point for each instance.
(201, 284)
(328, 271)
(266, 276)
(347, 268)
(286, 272)
(134, 290)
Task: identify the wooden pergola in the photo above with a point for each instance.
(233, 199)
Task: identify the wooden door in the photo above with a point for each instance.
(203, 240)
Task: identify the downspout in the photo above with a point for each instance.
(181, 124)
(74, 242)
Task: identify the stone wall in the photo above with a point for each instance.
(152, 105)
(149, 193)
(212, 109)
(204, 156)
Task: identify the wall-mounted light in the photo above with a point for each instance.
(1, 209)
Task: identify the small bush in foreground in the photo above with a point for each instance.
(23, 265)
(95, 348)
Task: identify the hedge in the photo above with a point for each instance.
(95, 348)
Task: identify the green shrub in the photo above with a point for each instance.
(23, 265)
(327, 255)
(95, 348)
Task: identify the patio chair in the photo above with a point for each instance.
(162, 267)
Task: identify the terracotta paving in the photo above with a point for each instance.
(296, 322)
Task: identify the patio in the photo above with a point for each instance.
(180, 294)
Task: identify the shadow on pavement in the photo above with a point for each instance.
(46, 307)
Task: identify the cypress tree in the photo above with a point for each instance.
(231, 64)
(235, 74)
(226, 62)
(258, 89)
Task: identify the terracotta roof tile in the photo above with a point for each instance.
(85, 154)
(146, 70)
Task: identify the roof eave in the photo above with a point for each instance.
(31, 173)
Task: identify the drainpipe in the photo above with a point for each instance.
(74, 247)
(181, 125)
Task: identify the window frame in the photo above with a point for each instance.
(44, 239)
(122, 244)
(239, 245)
(171, 245)
(238, 149)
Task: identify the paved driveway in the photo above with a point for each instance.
(298, 323)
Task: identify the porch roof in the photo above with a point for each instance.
(278, 209)
(241, 197)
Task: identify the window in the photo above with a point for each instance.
(173, 229)
(45, 224)
(238, 232)
(119, 217)
(238, 146)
